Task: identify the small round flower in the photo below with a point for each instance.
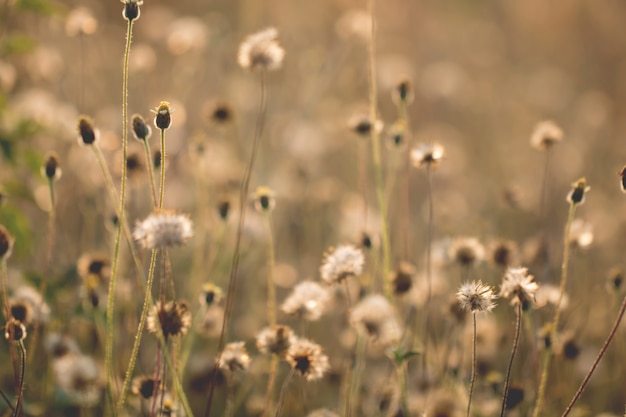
(275, 340)
(163, 118)
(51, 169)
(211, 294)
(503, 253)
(466, 251)
(87, 133)
(28, 302)
(223, 207)
(234, 357)
(518, 285)
(362, 125)
(403, 92)
(476, 297)
(21, 310)
(307, 300)
(141, 129)
(402, 278)
(264, 200)
(144, 385)
(77, 377)
(546, 134)
(219, 112)
(94, 265)
(307, 358)
(58, 345)
(578, 192)
(615, 280)
(397, 134)
(341, 263)
(163, 228)
(377, 318)
(622, 177)
(131, 9)
(427, 154)
(14, 330)
(261, 51)
(6, 243)
(174, 318)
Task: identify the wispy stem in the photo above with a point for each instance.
(474, 361)
(507, 380)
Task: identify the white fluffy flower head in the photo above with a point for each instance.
(261, 51)
(162, 229)
(343, 262)
(519, 286)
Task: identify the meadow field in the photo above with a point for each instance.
(337, 208)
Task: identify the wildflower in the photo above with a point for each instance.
(376, 317)
(514, 397)
(615, 280)
(6, 243)
(144, 385)
(503, 253)
(14, 330)
(307, 300)
(403, 92)
(21, 310)
(163, 118)
(141, 130)
(211, 322)
(402, 278)
(77, 377)
(577, 194)
(235, 356)
(567, 346)
(476, 297)
(223, 207)
(174, 318)
(163, 228)
(307, 358)
(466, 251)
(581, 234)
(398, 134)
(427, 154)
(275, 339)
(211, 294)
(341, 263)
(58, 345)
(51, 169)
(366, 240)
(546, 134)
(131, 9)
(219, 112)
(264, 199)
(27, 296)
(94, 266)
(87, 133)
(261, 51)
(362, 125)
(519, 286)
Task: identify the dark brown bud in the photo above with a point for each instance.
(86, 131)
(141, 130)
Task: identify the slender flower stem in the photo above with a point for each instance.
(376, 154)
(162, 187)
(149, 164)
(429, 243)
(283, 391)
(271, 259)
(553, 331)
(142, 322)
(7, 315)
(20, 392)
(603, 350)
(402, 379)
(507, 380)
(243, 198)
(122, 203)
(269, 394)
(355, 376)
(474, 360)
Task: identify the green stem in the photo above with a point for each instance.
(269, 394)
(142, 322)
(271, 259)
(283, 391)
(553, 331)
(376, 154)
(20, 392)
(402, 379)
(355, 380)
(162, 188)
(7, 314)
(507, 380)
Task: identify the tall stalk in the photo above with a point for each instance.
(507, 380)
(474, 363)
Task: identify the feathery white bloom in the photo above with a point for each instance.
(519, 286)
(343, 262)
(235, 356)
(162, 229)
(475, 297)
(307, 300)
(307, 358)
(261, 51)
(377, 318)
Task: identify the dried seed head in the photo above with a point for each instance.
(403, 93)
(77, 376)
(219, 112)
(476, 297)
(546, 134)
(87, 133)
(427, 155)
(211, 294)
(94, 267)
(131, 9)
(234, 357)
(275, 339)
(174, 318)
(307, 358)
(141, 130)
(14, 330)
(578, 192)
(341, 263)
(503, 253)
(398, 134)
(402, 278)
(264, 200)
(375, 317)
(362, 125)
(520, 286)
(261, 51)
(58, 345)
(223, 207)
(6, 243)
(308, 301)
(615, 280)
(51, 169)
(21, 310)
(163, 118)
(567, 346)
(145, 386)
(162, 229)
(466, 251)
(366, 240)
